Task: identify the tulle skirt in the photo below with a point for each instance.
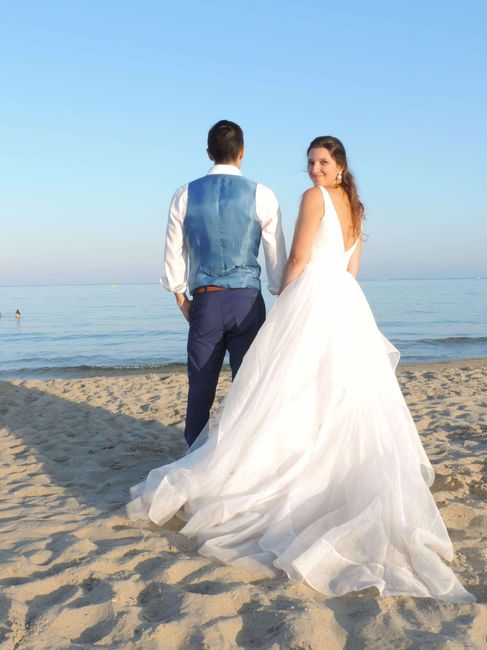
(314, 465)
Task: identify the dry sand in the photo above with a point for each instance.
(75, 573)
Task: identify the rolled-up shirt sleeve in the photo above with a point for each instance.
(175, 274)
(269, 215)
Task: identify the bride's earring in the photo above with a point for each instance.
(339, 178)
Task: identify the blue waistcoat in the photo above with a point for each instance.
(222, 232)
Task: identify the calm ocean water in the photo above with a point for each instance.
(65, 329)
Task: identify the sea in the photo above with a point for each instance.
(79, 330)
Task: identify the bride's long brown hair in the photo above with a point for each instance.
(337, 152)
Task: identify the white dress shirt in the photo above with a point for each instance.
(175, 276)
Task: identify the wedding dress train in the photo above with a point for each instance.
(314, 465)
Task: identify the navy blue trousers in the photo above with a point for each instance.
(219, 321)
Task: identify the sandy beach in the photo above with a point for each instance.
(76, 573)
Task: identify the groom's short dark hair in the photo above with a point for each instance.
(225, 141)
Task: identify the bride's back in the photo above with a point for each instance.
(330, 245)
(343, 211)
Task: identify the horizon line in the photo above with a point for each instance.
(115, 284)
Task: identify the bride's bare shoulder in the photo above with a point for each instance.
(312, 198)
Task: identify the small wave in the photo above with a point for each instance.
(72, 372)
(456, 340)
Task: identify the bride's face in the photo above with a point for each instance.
(322, 168)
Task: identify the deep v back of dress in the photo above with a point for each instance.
(329, 245)
(314, 466)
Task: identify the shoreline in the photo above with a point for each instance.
(83, 372)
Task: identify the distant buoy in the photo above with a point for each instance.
(114, 285)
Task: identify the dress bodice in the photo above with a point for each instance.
(328, 246)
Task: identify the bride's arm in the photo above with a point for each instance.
(310, 213)
(354, 264)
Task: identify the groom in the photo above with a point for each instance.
(215, 227)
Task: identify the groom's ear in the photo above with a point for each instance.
(241, 154)
(209, 155)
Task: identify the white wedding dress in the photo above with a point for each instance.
(314, 465)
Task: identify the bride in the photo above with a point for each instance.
(314, 466)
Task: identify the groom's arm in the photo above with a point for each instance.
(269, 215)
(175, 276)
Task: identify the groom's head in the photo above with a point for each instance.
(225, 143)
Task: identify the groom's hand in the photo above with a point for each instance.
(184, 304)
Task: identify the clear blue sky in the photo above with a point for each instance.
(105, 107)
